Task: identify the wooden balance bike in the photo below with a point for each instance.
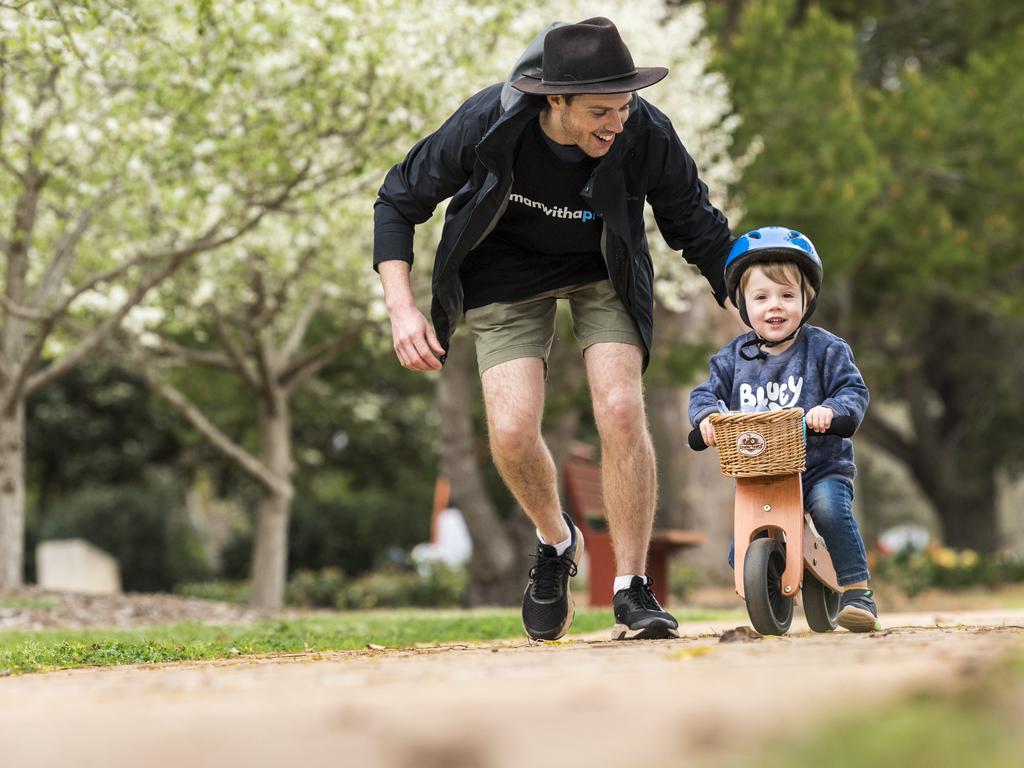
(779, 556)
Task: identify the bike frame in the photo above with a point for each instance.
(775, 505)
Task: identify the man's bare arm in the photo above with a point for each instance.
(415, 342)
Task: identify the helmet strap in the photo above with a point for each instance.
(759, 353)
(760, 343)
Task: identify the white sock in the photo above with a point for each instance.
(623, 582)
(561, 546)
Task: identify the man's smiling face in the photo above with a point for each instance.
(591, 120)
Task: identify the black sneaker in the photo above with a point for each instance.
(857, 611)
(639, 616)
(548, 607)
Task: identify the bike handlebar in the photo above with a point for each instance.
(842, 426)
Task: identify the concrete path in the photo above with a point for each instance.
(692, 701)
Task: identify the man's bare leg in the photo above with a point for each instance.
(514, 399)
(514, 396)
(630, 486)
(628, 477)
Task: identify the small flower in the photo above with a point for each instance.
(968, 558)
(944, 557)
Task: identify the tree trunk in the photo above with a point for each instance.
(970, 519)
(270, 544)
(497, 569)
(962, 493)
(667, 409)
(12, 497)
(958, 481)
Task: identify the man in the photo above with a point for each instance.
(548, 181)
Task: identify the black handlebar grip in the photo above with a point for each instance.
(696, 440)
(841, 426)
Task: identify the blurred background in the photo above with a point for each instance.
(196, 373)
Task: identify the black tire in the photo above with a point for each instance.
(770, 611)
(821, 604)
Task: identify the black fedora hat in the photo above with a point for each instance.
(588, 57)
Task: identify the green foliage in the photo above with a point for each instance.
(23, 602)
(141, 524)
(335, 525)
(94, 425)
(945, 568)
(315, 589)
(929, 36)
(951, 141)
(899, 155)
(387, 587)
(680, 364)
(794, 86)
(369, 418)
(392, 588)
(939, 300)
(366, 458)
(236, 592)
(683, 578)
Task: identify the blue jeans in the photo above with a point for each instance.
(830, 502)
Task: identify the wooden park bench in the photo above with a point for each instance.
(582, 481)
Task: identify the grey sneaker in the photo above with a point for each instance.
(548, 607)
(639, 616)
(857, 611)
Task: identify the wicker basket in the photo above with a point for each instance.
(764, 443)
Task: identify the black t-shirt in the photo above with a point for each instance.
(547, 238)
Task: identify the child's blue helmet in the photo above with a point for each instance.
(771, 244)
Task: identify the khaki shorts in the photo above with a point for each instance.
(510, 330)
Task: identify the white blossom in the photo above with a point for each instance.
(182, 125)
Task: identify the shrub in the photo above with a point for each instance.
(391, 587)
(142, 524)
(387, 587)
(315, 589)
(222, 591)
(945, 568)
(354, 530)
(683, 578)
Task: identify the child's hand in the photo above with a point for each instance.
(707, 431)
(819, 418)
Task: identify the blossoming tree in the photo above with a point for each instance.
(135, 136)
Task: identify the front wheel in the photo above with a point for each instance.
(770, 611)
(821, 604)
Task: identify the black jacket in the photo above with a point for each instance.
(470, 159)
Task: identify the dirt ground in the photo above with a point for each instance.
(34, 608)
(696, 701)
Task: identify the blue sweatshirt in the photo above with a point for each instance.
(818, 369)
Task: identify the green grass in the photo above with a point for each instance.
(973, 728)
(35, 651)
(25, 602)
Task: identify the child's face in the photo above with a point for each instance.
(774, 309)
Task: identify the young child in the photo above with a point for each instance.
(773, 276)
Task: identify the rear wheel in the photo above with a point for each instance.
(821, 604)
(770, 611)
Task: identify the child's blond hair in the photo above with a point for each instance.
(783, 273)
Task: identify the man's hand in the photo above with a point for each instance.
(819, 418)
(415, 342)
(707, 432)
